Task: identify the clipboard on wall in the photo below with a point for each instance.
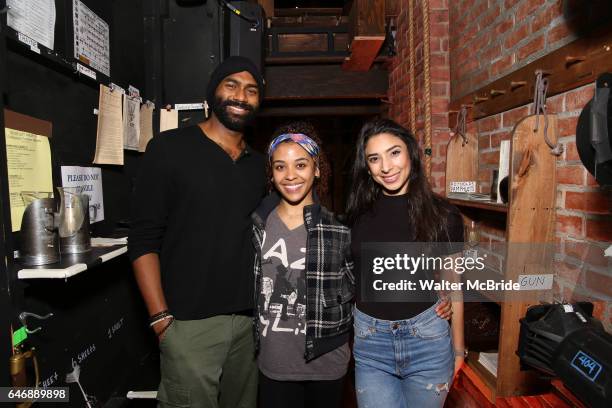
(29, 162)
(25, 123)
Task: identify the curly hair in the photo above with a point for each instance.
(322, 183)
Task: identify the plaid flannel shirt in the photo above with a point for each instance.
(330, 280)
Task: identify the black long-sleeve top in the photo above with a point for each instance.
(388, 221)
(192, 206)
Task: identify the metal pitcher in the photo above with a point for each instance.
(73, 220)
(38, 239)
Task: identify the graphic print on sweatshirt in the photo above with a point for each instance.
(282, 301)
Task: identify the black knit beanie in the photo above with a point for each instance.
(231, 66)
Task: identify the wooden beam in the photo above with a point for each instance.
(324, 82)
(364, 51)
(368, 18)
(367, 31)
(392, 8)
(268, 6)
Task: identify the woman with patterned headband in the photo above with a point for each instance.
(304, 282)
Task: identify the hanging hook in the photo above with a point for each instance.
(539, 107)
(24, 315)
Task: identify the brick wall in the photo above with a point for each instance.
(489, 39)
(399, 87)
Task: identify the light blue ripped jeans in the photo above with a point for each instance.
(402, 364)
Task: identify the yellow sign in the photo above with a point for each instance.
(29, 169)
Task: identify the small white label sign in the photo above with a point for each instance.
(463, 187)
(86, 71)
(536, 282)
(188, 106)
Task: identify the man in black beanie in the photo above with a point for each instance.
(190, 244)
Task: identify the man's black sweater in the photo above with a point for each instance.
(192, 206)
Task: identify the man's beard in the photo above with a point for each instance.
(233, 122)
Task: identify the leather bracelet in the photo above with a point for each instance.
(159, 315)
(168, 316)
(461, 353)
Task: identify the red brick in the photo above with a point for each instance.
(489, 18)
(501, 65)
(489, 124)
(533, 46)
(571, 152)
(516, 36)
(567, 271)
(439, 73)
(489, 158)
(555, 104)
(599, 229)
(498, 137)
(484, 142)
(484, 175)
(527, 8)
(591, 202)
(567, 126)
(599, 282)
(573, 175)
(586, 252)
(590, 179)
(439, 89)
(558, 33)
(509, 3)
(493, 51)
(543, 19)
(438, 16)
(569, 224)
(504, 25)
(510, 118)
(575, 100)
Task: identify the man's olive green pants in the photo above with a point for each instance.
(208, 363)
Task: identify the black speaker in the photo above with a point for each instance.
(244, 31)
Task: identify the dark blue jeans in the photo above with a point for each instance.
(402, 364)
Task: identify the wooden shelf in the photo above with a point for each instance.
(71, 265)
(532, 171)
(483, 205)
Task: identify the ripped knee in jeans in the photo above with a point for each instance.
(438, 388)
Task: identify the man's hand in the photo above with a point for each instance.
(445, 309)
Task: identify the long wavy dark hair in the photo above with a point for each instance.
(321, 185)
(426, 208)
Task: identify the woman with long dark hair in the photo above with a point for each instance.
(405, 355)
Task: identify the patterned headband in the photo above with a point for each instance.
(311, 147)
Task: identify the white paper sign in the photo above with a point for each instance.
(504, 165)
(131, 123)
(91, 38)
(34, 18)
(462, 186)
(91, 179)
(536, 282)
